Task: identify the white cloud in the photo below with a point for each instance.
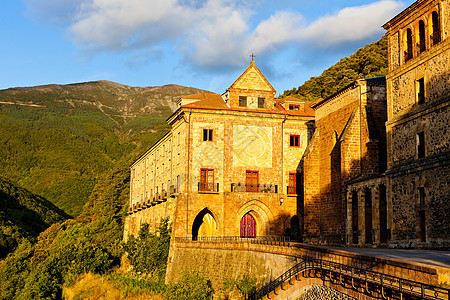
(352, 23)
(209, 33)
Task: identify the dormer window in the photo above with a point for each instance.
(294, 107)
(261, 102)
(243, 101)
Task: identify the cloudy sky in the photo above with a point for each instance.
(200, 43)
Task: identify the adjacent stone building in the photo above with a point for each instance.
(228, 166)
(418, 132)
(348, 146)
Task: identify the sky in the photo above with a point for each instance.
(200, 43)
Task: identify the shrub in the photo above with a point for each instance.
(191, 286)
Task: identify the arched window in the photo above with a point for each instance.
(408, 51)
(422, 46)
(436, 36)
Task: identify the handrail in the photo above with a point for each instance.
(381, 280)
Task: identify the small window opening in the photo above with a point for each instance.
(261, 103)
(420, 90)
(242, 101)
(294, 140)
(421, 144)
(207, 134)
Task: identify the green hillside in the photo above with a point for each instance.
(58, 139)
(23, 215)
(369, 61)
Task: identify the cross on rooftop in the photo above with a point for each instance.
(252, 56)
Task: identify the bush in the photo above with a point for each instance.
(192, 286)
(245, 285)
(149, 251)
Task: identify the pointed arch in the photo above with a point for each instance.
(260, 212)
(204, 225)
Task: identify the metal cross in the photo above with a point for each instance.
(252, 56)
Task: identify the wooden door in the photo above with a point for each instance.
(248, 226)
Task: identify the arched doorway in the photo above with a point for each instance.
(248, 226)
(204, 225)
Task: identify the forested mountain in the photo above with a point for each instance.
(23, 215)
(369, 61)
(58, 139)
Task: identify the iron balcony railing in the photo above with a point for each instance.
(356, 278)
(208, 187)
(291, 190)
(254, 188)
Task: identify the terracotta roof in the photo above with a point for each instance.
(205, 100)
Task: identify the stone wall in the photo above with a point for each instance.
(348, 143)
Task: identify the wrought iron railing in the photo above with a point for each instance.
(274, 240)
(208, 187)
(360, 279)
(291, 190)
(254, 188)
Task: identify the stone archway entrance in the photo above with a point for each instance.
(204, 225)
(248, 226)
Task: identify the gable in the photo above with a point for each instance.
(252, 79)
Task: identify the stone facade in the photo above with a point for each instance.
(227, 158)
(348, 145)
(418, 136)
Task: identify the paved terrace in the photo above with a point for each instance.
(427, 257)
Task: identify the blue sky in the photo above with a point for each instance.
(200, 43)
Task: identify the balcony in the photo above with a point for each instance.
(291, 190)
(254, 188)
(208, 187)
(173, 191)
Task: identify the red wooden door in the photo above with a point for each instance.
(248, 226)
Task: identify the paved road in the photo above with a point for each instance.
(429, 257)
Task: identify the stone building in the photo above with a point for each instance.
(347, 148)
(228, 166)
(418, 133)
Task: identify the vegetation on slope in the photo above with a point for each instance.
(57, 140)
(369, 61)
(65, 250)
(23, 215)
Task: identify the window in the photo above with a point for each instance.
(261, 102)
(206, 180)
(242, 101)
(294, 140)
(294, 107)
(292, 188)
(421, 191)
(207, 134)
(420, 91)
(251, 181)
(436, 37)
(421, 145)
(408, 52)
(422, 46)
